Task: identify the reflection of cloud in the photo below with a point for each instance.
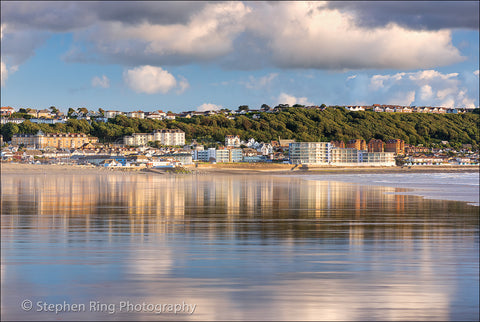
(155, 262)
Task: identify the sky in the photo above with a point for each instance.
(183, 56)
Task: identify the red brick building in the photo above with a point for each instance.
(358, 144)
(338, 144)
(395, 145)
(375, 145)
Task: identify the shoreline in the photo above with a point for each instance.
(234, 169)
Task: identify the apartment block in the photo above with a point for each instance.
(375, 145)
(54, 140)
(378, 158)
(358, 144)
(204, 155)
(138, 139)
(396, 146)
(164, 137)
(338, 144)
(170, 136)
(222, 155)
(345, 155)
(310, 152)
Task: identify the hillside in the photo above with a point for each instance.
(334, 123)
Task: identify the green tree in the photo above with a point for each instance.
(54, 109)
(9, 130)
(82, 110)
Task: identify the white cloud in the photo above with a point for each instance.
(291, 100)
(425, 87)
(207, 35)
(103, 82)
(476, 72)
(401, 98)
(4, 73)
(183, 85)
(261, 82)
(426, 92)
(150, 80)
(351, 77)
(301, 35)
(309, 35)
(208, 107)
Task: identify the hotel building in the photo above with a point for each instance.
(164, 137)
(55, 140)
(395, 145)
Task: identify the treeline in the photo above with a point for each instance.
(334, 123)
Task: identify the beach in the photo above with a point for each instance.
(237, 168)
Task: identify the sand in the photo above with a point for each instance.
(232, 169)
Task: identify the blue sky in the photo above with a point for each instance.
(179, 56)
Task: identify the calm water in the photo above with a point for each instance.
(238, 248)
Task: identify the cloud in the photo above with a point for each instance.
(351, 77)
(208, 34)
(476, 72)
(235, 35)
(412, 14)
(149, 79)
(420, 88)
(103, 82)
(309, 35)
(208, 107)
(261, 82)
(291, 100)
(183, 85)
(4, 73)
(72, 15)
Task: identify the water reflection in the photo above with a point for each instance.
(239, 247)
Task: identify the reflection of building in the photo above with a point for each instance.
(56, 140)
(142, 204)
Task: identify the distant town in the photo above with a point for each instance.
(167, 148)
